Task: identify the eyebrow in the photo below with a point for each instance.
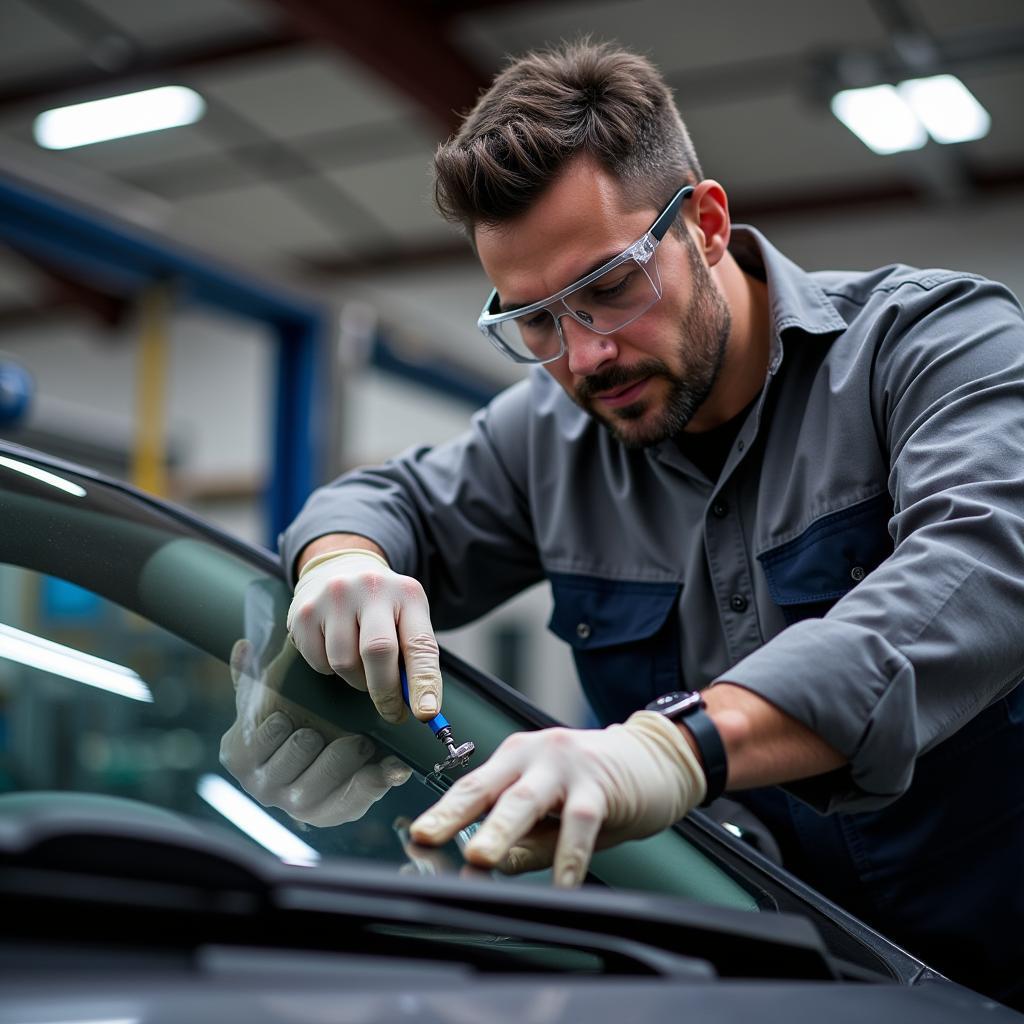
(513, 306)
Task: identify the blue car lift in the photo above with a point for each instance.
(97, 247)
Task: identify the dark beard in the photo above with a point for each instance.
(703, 334)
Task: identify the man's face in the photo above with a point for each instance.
(646, 381)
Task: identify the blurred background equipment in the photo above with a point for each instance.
(15, 394)
(228, 282)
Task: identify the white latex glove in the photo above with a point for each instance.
(352, 615)
(285, 757)
(607, 785)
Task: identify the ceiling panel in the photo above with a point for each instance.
(167, 24)
(31, 43)
(258, 224)
(400, 194)
(1000, 93)
(677, 36)
(944, 16)
(148, 150)
(301, 93)
(781, 144)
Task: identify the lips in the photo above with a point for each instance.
(622, 395)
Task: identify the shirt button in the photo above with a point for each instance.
(738, 603)
(720, 509)
(583, 630)
(857, 573)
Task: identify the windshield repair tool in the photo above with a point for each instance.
(458, 755)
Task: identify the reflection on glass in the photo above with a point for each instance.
(254, 821)
(43, 476)
(45, 655)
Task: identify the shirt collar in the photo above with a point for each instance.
(795, 298)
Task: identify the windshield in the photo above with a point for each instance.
(134, 640)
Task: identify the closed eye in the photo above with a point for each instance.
(614, 290)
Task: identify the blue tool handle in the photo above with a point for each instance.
(438, 722)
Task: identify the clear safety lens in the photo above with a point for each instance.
(611, 302)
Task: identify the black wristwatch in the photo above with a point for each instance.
(687, 708)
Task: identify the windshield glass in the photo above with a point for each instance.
(143, 656)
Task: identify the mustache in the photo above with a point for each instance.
(617, 377)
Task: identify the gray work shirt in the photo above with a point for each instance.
(877, 481)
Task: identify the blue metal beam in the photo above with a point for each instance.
(125, 257)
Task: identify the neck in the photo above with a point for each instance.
(747, 348)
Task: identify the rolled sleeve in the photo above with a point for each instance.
(933, 635)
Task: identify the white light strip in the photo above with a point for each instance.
(152, 110)
(43, 476)
(105, 1020)
(881, 118)
(947, 108)
(45, 655)
(254, 821)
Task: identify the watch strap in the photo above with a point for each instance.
(712, 752)
(687, 708)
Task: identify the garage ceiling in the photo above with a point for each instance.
(312, 161)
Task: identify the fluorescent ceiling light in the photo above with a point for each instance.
(43, 476)
(881, 118)
(946, 107)
(254, 821)
(118, 116)
(45, 655)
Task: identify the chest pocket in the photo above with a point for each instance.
(808, 574)
(624, 637)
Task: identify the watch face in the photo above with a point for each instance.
(673, 705)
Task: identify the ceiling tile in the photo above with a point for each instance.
(301, 93)
(944, 16)
(31, 43)
(676, 36)
(399, 193)
(158, 25)
(259, 223)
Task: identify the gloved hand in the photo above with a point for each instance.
(285, 757)
(352, 615)
(607, 785)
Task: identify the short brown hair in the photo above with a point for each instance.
(550, 106)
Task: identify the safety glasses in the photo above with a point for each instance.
(604, 301)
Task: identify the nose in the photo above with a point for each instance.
(586, 350)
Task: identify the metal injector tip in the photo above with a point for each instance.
(458, 755)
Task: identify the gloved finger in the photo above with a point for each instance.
(395, 772)
(582, 816)
(243, 749)
(332, 770)
(422, 661)
(470, 797)
(239, 662)
(341, 642)
(274, 674)
(256, 690)
(306, 631)
(353, 800)
(533, 852)
(513, 816)
(292, 758)
(378, 651)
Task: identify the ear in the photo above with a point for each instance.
(709, 214)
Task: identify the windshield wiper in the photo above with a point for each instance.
(215, 889)
(102, 880)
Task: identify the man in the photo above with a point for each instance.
(799, 494)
